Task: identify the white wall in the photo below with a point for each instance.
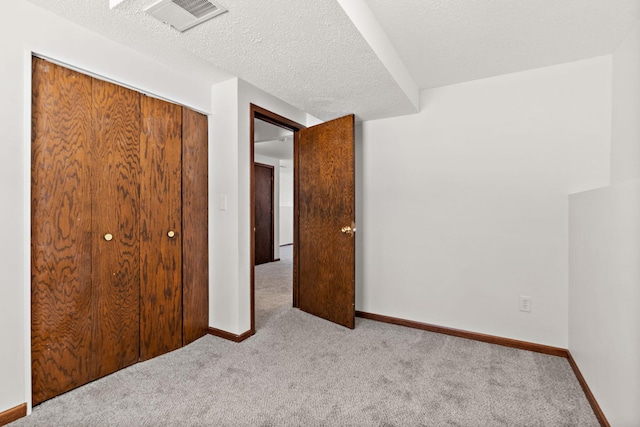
(286, 205)
(625, 148)
(464, 205)
(32, 29)
(604, 267)
(276, 200)
(604, 321)
(229, 307)
(224, 248)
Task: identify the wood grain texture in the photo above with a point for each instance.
(160, 206)
(491, 339)
(61, 291)
(13, 414)
(229, 336)
(265, 115)
(597, 410)
(326, 203)
(263, 208)
(115, 209)
(195, 219)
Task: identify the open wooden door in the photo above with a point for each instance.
(325, 172)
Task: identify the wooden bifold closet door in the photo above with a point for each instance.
(107, 228)
(115, 212)
(62, 305)
(161, 249)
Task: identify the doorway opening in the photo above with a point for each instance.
(273, 201)
(323, 261)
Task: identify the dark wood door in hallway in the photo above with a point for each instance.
(263, 213)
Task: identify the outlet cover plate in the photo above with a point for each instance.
(525, 303)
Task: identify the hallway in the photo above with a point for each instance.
(274, 287)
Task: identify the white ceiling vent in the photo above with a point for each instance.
(184, 14)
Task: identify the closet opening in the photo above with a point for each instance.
(118, 228)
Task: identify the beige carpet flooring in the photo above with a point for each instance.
(299, 370)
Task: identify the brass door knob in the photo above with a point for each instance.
(348, 230)
(108, 237)
(171, 233)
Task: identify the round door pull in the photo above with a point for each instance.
(347, 230)
(108, 237)
(171, 234)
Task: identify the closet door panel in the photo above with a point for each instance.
(116, 211)
(61, 291)
(161, 234)
(195, 235)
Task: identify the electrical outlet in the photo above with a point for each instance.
(525, 303)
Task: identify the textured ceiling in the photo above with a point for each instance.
(306, 52)
(443, 42)
(311, 55)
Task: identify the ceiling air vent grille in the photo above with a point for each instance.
(197, 8)
(184, 14)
